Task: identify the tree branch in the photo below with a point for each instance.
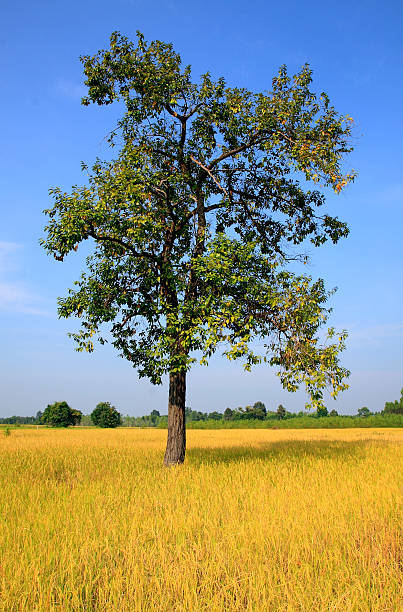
(253, 141)
(121, 243)
(207, 170)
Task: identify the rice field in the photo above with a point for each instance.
(256, 520)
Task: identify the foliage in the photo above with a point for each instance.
(105, 415)
(322, 411)
(192, 223)
(215, 416)
(333, 413)
(228, 414)
(395, 407)
(281, 412)
(364, 412)
(144, 421)
(21, 420)
(86, 421)
(60, 414)
(259, 410)
(303, 422)
(194, 415)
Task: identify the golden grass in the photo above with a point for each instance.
(255, 520)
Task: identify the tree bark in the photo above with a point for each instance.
(176, 442)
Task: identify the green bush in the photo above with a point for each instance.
(60, 414)
(106, 415)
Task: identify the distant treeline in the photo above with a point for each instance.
(255, 415)
(258, 416)
(305, 422)
(20, 420)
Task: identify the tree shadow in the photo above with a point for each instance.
(294, 450)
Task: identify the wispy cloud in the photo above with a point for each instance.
(15, 296)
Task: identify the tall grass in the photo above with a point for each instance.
(255, 520)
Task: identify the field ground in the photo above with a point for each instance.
(259, 520)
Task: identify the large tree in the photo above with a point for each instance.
(60, 414)
(196, 223)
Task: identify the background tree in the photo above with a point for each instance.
(281, 412)
(86, 421)
(60, 414)
(333, 413)
(195, 415)
(322, 411)
(105, 415)
(245, 413)
(364, 412)
(228, 414)
(154, 415)
(259, 410)
(196, 220)
(395, 407)
(215, 416)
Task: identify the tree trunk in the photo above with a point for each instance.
(176, 443)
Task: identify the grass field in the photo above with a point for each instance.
(255, 520)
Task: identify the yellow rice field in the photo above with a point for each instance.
(259, 520)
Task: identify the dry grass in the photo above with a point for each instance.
(256, 520)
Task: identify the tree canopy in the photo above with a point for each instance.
(60, 414)
(104, 415)
(197, 221)
(395, 407)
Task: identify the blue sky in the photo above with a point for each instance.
(355, 50)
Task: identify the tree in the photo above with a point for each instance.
(259, 410)
(105, 415)
(195, 415)
(395, 407)
(228, 414)
(154, 416)
(322, 411)
(364, 412)
(215, 416)
(195, 222)
(333, 413)
(60, 414)
(245, 413)
(281, 412)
